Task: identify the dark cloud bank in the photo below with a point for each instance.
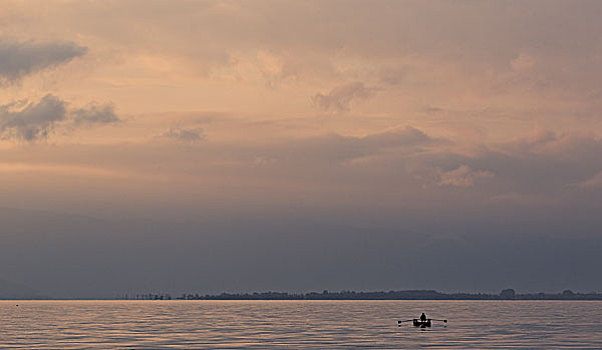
(69, 256)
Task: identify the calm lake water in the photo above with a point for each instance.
(297, 324)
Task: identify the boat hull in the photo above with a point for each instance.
(422, 324)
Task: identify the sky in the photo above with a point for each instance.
(209, 146)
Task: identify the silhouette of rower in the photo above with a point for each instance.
(423, 317)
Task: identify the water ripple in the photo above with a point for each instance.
(297, 324)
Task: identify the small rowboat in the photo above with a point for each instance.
(421, 324)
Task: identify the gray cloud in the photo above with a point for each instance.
(184, 135)
(341, 97)
(462, 176)
(34, 121)
(104, 114)
(18, 59)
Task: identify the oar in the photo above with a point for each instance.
(434, 319)
(400, 322)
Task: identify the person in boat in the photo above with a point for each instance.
(423, 317)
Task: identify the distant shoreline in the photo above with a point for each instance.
(506, 294)
(416, 295)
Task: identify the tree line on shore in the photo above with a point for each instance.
(506, 294)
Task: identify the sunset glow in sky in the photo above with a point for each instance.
(297, 145)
